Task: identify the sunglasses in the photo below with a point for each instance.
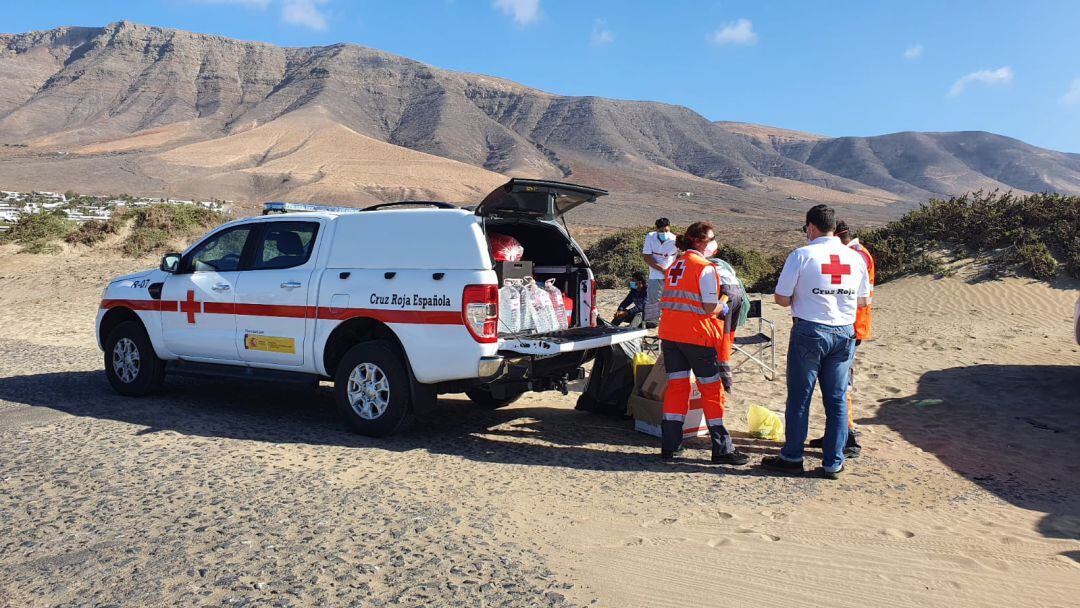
(805, 227)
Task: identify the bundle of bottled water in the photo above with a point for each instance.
(527, 308)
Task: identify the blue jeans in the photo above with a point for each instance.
(818, 353)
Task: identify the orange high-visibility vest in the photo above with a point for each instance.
(682, 315)
(864, 316)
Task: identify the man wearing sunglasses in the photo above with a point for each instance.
(824, 283)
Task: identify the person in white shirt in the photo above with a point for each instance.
(659, 254)
(824, 283)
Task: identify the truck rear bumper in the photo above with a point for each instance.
(490, 367)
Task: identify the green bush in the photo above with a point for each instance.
(92, 232)
(33, 228)
(615, 257)
(1037, 234)
(153, 228)
(144, 241)
(1037, 259)
(178, 220)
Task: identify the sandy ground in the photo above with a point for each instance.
(966, 493)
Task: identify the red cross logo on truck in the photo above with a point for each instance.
(835, 269)
(190, 306)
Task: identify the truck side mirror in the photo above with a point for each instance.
(170, 262)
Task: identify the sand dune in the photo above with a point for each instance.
(309, 156)
(965, 495)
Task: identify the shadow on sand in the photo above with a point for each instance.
(242, 410)
(1012, 429)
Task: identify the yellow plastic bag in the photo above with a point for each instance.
(642, 358)
(765, 424)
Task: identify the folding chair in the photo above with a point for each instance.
(755, 347)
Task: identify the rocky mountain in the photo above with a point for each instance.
(151, 110)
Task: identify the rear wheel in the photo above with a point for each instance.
(483, 396)
(373, 389)
(131, 365)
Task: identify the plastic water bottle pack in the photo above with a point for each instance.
(527, 308)
(557, 303)
(539, 306)
(510, 307)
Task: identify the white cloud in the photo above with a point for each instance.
(1003, 75)
(739, 32)
(913, 52)
(1072, 96)
(601, 35)
(305, 13)
(524, 12)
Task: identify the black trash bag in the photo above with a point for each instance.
(611, 381)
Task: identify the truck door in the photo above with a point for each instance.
(199, 322)
(272, 295)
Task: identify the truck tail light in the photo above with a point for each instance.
(480, 310)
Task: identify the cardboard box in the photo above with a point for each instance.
(648, 412)
(654, 383)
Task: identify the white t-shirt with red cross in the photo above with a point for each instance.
(825, 280)
(661, 246)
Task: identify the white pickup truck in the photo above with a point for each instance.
(395, 303)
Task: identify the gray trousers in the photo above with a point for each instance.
(652, 299)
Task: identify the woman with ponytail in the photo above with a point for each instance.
(690, 333)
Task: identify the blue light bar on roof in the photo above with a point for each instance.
(277, 207)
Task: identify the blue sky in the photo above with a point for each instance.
(829, 67)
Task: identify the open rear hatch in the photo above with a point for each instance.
(568, 340)
(536, 198)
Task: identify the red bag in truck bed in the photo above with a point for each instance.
(505, 248)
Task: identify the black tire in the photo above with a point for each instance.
(378, 360)
(138, 375)
(481, 396)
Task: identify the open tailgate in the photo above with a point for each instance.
(536, 198)
(568, 340)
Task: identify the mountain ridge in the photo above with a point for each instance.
(104, 107)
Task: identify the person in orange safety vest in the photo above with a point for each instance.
(863, 317)
(689, 335)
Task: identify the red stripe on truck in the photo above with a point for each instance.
(417, 317)
(423, 317)
(165, 306)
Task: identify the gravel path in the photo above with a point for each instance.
(232, 495)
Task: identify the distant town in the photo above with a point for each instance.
(84, 208)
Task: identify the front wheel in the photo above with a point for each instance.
(373, 389)
(131, 365)
(482, 396)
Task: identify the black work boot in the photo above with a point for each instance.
(852, 449)
(670, 438)
(776, 463)
(723, 450)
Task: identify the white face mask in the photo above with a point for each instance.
(711, 248)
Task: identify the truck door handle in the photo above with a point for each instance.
(290, 284)
(221, 287)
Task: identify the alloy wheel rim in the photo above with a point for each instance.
(125, 360)
(369, 391)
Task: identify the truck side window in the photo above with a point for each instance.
(284, 245)
(221, 252)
